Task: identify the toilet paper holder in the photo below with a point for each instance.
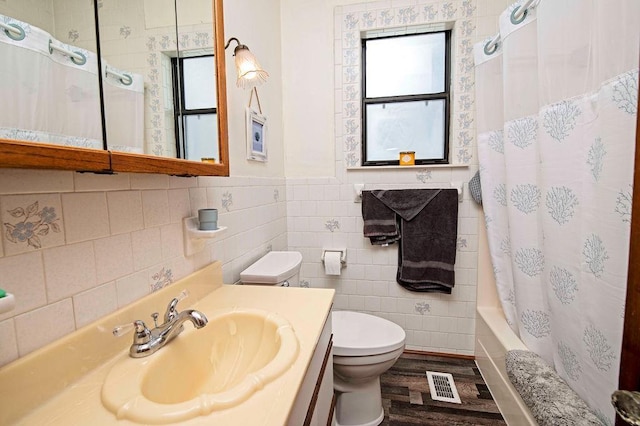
(343, 255)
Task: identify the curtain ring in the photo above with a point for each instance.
(81, 61)
(126, 79)
(490, 50)
(12, 33)
(515, 21)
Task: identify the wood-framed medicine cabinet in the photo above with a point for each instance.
(39, 155)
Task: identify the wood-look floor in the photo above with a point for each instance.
(406, 398)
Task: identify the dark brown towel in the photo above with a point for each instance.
(428, 222)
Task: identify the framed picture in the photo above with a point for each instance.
(256, 136)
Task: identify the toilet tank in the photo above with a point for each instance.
(280, 268)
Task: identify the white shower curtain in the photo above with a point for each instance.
(556, 110)
(48, 97)
(124, 110)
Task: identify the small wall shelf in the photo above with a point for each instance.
(195, 239)
(7, 303)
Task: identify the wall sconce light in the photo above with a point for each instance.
(250, 73)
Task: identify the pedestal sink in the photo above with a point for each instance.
(201, 371)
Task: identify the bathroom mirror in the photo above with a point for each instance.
(137, 48)
(49, 78)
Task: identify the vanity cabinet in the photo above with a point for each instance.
(315, 401)
(32, 393)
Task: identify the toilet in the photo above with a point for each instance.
(279, 268)
(364, 346)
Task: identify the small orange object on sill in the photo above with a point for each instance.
(208, 160)
(407, 158)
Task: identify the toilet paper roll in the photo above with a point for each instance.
(332, 263)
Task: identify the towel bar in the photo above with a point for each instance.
(359, 187)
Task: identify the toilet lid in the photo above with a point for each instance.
(274, 267)
(358, 334)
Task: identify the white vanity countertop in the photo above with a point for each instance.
(61, 383)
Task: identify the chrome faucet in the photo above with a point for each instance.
(147, 342)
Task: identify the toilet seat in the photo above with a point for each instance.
(358, 334)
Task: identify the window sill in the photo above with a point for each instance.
(420, 166)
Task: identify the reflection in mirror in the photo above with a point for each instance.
(196, 112)
(49, 73)
(147, 40)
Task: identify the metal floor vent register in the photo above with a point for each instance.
(442, 387)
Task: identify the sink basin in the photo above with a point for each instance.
(201, 371)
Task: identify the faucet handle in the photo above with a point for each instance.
(171, 311)
(121, 330)
(142, 333)
(183, 295)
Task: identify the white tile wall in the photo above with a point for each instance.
(85, 216)
(155, 208)
(147, 248)
(23, 275)
(114, 257)
(94, 303)
(22, 181)
(120, 237)
(132, 287)
(69, 270)
(9, 347)
(125, 211)
(321, 212)
(44, 325)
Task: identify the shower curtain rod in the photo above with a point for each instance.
(15, 32)
(76, 57)
(125, 79)
(11, 29)
(517, 16)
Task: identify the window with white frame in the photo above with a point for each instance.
(406, 97)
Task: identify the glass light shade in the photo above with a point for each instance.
(250, 73)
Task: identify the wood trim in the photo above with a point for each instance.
(316, 390)
(30, 155)
(221, 85)
(138, 163)
(629, 378)
(332, 409)
(445, 355)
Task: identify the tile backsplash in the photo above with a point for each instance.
(76, 246)
(321, 213)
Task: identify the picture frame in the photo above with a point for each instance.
(256, 136)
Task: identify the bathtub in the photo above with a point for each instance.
(494, 338)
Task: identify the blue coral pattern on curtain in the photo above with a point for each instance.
(556, 116)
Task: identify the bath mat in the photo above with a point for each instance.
(442, 387)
